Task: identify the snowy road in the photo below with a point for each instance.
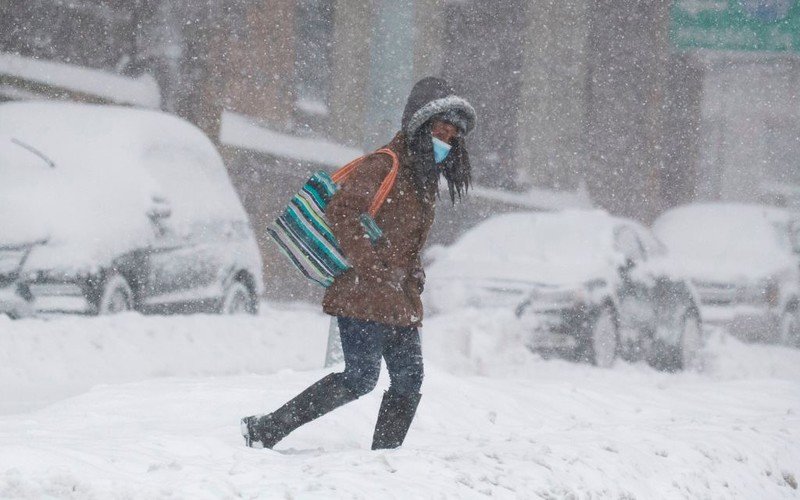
(137, 407)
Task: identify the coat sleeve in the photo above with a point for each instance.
(351, 200)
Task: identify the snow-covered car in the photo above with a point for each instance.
(583, 283)
(106, 209)
(741, 261)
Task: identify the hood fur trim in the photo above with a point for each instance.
(437, 106)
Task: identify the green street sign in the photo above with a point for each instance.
(741, 25)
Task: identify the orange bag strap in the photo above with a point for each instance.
(386, 186)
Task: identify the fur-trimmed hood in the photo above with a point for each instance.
(434, 96)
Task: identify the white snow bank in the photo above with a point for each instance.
(162, 397)
(42, 361)
(142, 91)
(240, 131)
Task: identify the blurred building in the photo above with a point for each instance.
(748, 54)
(750, 129)
(602, 97)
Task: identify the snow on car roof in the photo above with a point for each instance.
(716, 239)
(712, 228)
(562, 246)
(526, 232)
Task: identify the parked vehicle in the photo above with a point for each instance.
(106, 209)
(583, 284)
(741, 260)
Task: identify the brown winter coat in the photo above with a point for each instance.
(385, 281)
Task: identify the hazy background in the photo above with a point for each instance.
(631, 106)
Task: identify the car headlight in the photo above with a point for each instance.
(765, 292)
(11, 260)
(594, 290)
(772, 293)
(559, 298)
(596, 284)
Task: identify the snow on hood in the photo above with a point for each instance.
(563, 248)
(728, 242)
(109, 164)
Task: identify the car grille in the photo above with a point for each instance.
(496, 296)
(55, 289)
(715, 293)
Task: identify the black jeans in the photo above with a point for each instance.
(364, 343)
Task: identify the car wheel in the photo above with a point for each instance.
(789, 329)
(116, 296)
(685, 355)
(632, 345)
(691, 342)
(601, 343)
(238, 299)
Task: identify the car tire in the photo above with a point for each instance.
(691, 345)
(632, 336)
(116, 295)
(600, 344)
(789, 329)
(687, 354)
(238, 299)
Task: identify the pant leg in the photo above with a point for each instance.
(402, 351)
(362, 346)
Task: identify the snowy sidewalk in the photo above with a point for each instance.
(494, 421)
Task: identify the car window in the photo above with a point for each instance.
(627, 243)
(196, 188)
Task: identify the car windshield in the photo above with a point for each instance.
(27, 147)
(19, 157)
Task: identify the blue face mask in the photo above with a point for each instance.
(440, 149)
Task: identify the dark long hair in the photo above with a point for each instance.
(455, 168)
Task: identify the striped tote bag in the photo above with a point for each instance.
(303, 233)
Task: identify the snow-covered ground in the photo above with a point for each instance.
(134, 407)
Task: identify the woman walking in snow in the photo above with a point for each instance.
(377, 301)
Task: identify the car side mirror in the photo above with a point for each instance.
(627, 265)
(158, 212)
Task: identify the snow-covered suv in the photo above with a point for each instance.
(105, 209)
(741, 261)
(583, 283)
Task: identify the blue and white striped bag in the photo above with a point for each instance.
(303, 233)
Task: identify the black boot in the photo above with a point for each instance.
(394, 418)
(327, 394)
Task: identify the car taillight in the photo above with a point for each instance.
(772, 294)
